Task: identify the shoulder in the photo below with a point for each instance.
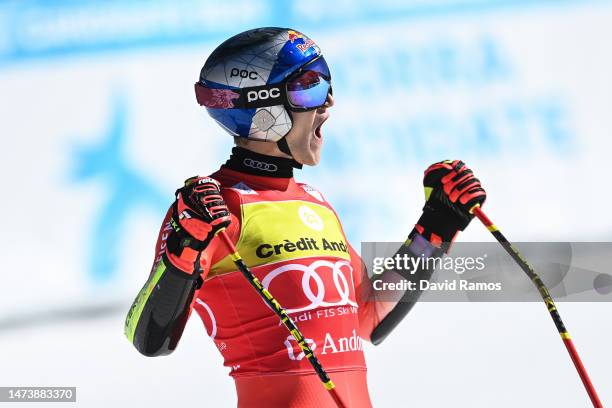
(239, 188)
(312, 191)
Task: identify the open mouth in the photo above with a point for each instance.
(318, 132)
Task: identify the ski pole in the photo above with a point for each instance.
(550, 304)
(282, 314)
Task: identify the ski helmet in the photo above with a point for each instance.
(252, 81)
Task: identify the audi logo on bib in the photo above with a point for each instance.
(260, 165)
(324, 283)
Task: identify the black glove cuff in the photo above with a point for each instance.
(178, 238)
(178, 272)
(441, 221)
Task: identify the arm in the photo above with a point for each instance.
(379, 311)
(156, 320)
(186, 243)
(451, 191)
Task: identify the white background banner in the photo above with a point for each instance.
(100, 125)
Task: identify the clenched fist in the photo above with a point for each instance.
(198, 213)
(451, 191)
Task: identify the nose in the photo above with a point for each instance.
(329, 102)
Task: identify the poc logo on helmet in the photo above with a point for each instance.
(243, 73)
(260, 165)
(263, 94)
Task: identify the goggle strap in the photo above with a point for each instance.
(262, 96)
(245, 98)
(216, 98)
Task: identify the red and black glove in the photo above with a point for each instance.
(451, 191)
(198, 213)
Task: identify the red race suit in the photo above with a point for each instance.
(292, 240)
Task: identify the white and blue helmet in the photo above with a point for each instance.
(252, 81)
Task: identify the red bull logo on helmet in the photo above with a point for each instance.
(294, 35)
(306, 42)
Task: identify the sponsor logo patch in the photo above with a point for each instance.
(313, 192)
(259, 165)
(243, 189)
(310, 218)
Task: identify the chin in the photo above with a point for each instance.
(314, 157)
(310, 161)
(306, 149)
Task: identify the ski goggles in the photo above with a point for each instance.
(304, 90)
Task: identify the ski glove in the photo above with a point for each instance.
(451, 191)
(198, 213)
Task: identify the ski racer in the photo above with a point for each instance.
(271, 89)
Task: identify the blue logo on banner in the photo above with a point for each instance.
(125, 190)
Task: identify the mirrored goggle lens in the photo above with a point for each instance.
(310, 88)
(309, 95)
